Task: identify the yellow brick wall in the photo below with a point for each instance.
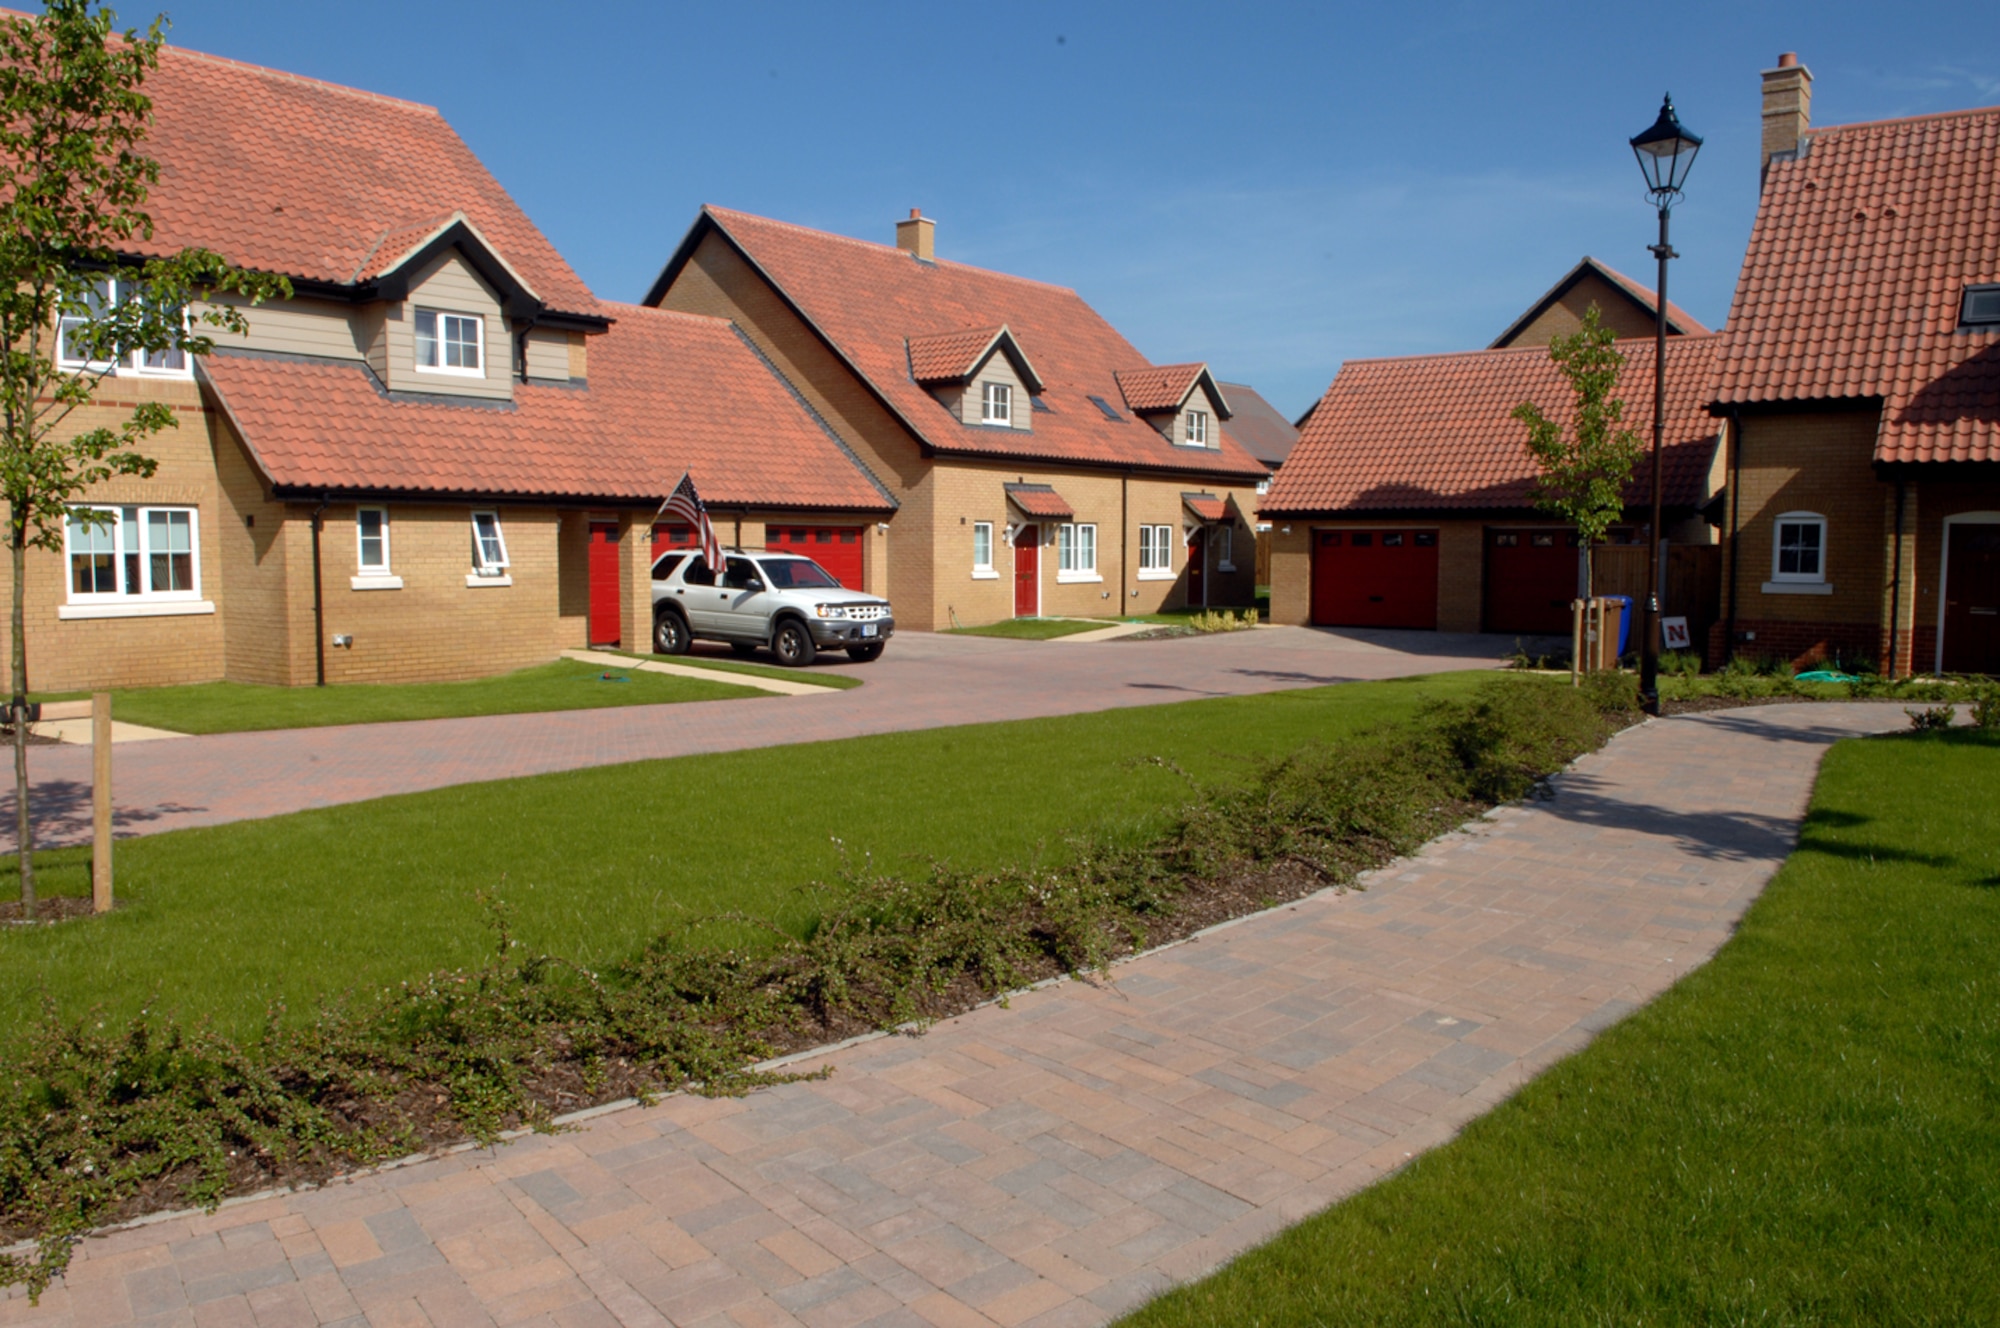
(1813, 461)
(975, 491)
(1562, 318)
(69, 655)
(437, 626)
(254, 565)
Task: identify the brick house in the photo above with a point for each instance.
(1623, 305)
(440, 458)
(1040, 465)
(1406, 502)
(1861, 376)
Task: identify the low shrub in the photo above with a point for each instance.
(1932, 718)
(101, 1123)
(1222, 620)
(1986, 708)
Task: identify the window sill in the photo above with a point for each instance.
(1157, 574)
(173, 608)
(1076, 578)
(1797, 588)
(439, 372)
(985, 574)
(375, 582)
(474, 581)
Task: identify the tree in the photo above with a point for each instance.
(1585, 468)
(73, 230)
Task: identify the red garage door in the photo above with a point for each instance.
(1375, 578)
(836, 548)
(671, 537)
(1530, 580)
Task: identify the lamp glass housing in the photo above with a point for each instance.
(1666, 152)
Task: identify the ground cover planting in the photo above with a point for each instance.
(237, 707)
(1166, 832)
(1801, 1132)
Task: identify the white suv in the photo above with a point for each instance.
(790, 604)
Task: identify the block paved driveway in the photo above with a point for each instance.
(924, 681)
(1062, 1159)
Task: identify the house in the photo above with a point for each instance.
(1623, 305)
(440, 458)
(1407, 501)
(1860, 376)
(1268, 436)
(1039, 464)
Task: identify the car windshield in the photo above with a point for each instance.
(798, 574)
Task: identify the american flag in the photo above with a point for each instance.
(686, 504)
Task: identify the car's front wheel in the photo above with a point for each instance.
(866, 654)
(670, 633)
(793, 644)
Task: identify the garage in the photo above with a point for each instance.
(836, 548)
(1531, 577)
(1375, 578)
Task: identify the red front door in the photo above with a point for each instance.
(1197, 565)
(836, 548)
(604, 615)
(1972, 599)
(1028, 572)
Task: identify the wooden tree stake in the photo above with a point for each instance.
(100, 799)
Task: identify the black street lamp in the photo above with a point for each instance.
(1666, 153)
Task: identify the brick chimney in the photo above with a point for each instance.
(918, 236)
(1787, 107)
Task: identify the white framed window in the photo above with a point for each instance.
(1263, 488)
(1798, 547)
(134, 555)
(489, 548)
(1225, 548)
(982, 550)
(450, 343)
(371, 541)
(1197, 428)
(1076, 552)
(105, 292)
(1156, 553)
(996, 403)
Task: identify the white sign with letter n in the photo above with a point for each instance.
(1674, 634)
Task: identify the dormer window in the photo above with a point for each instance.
(1197, 428)
(1981, 307)
(450, 343)
(996, 403)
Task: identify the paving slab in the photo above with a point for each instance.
(1063, 1158)
(924, 681)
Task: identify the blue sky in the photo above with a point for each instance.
(1273, 189)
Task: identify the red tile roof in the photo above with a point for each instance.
(870, 300)
(1435, 431)
(950, 355)
(316, 425)
(320, 182)
(1163, 388)
(1852, 282)
(1207, 506)
(1039, 500)
(1256, 423)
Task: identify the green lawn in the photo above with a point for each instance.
(1805, 1131)
(818, 677)
(235, 707)
(218, 921)
(1037, 629)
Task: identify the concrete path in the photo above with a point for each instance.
(924, 681)
(1060, 1160)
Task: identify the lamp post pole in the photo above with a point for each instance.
(1666, 152)
(1649, 643)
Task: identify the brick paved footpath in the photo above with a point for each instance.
(924, 681)
(1059, 1160)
